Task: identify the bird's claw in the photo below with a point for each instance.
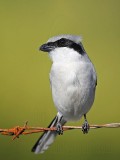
(59, 129)
(85, 127)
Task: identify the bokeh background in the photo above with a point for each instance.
(24, 74)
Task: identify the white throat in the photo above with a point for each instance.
(64, 54)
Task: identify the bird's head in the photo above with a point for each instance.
(64, 47)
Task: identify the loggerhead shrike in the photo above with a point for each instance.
(73, 82)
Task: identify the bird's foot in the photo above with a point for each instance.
(59, 128)
(85, 127)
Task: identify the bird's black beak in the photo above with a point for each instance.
(47, 47)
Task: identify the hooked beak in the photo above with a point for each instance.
(47, 47)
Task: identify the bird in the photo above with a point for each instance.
(73, 81)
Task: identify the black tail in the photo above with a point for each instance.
(48, 137)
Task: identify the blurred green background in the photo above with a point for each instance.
(24, 74)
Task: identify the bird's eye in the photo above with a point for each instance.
(61, 42)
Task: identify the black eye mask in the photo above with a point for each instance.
(63, 42)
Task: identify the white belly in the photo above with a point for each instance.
(73, 89)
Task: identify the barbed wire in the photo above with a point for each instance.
(17, 131)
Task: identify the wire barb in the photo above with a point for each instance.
(17, 131)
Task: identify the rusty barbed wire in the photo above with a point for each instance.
(17, 131)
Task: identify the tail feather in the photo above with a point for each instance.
(47, 138)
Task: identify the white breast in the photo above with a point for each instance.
(73, 87)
